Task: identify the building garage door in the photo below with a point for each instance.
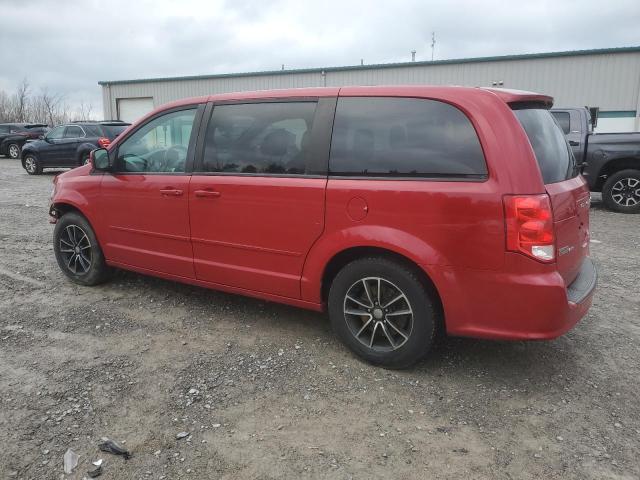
(132, 109)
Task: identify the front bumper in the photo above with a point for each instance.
(54, 214)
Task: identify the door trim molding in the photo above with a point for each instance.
(150, 234)
(246, 247)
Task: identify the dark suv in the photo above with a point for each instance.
(69, 145)
(14, 135)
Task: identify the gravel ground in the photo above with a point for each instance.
(266, 391)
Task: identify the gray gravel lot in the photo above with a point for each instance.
(266, 391)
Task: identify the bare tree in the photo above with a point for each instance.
(5, 107)
(22, 98)
(52, 106)
(45, 107)
(84, 112)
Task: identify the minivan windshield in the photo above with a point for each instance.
(553, 154)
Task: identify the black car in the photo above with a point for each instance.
(14, 135)
(69, 145)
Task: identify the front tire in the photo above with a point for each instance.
(621, 191)
(78, 252)
(382, 311)
(14, 151)
(31, 164)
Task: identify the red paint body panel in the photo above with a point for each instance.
(272, 237)
(526, 300)
(145, 227)
(256, 234)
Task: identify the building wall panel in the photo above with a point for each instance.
(610, 81)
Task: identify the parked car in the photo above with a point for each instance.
(610, 161)
(403, 211)
(14, 135)
(69, 145)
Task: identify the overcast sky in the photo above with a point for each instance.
(67, 46)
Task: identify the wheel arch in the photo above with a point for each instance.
(613, 166)
(83, 149)
(342, 258)
(62, 208)
(27, 151)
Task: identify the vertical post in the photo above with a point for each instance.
(637, 122)
(433, 44)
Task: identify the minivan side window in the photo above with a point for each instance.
(259, 138)
(159, 146)
(404, 137)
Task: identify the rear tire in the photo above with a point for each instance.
(78, 252)
(621, 191)
(31, 164)
(382, 311)
(13, 150)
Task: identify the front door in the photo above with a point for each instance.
(68, 145)
(145, 200)
(256, 198)
(50, 153)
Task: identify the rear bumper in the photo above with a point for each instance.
(514, 306)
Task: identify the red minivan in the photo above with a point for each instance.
(403, 211)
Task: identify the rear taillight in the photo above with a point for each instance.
(104, 142)
(529, 223)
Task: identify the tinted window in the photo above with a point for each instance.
(403, 137)
(158, 146)
(73, 132)
(549, 145)
(35, 128)
(263, 138)
(93, 131)
(563, 119)
(112, 131)
(56, 133)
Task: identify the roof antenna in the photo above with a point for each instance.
(433, 44)
(413, 55)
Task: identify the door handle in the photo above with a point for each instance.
(573, 143)
(170, 192)
(207, 193)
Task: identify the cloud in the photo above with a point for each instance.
(68, 46)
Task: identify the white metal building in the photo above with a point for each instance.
(605, 78)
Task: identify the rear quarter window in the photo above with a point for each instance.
(93, 131)
(404, 137)
(113, 131)
(549, 144)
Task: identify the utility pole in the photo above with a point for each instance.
(433, 44)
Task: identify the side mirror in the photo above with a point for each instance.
(100, 160)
